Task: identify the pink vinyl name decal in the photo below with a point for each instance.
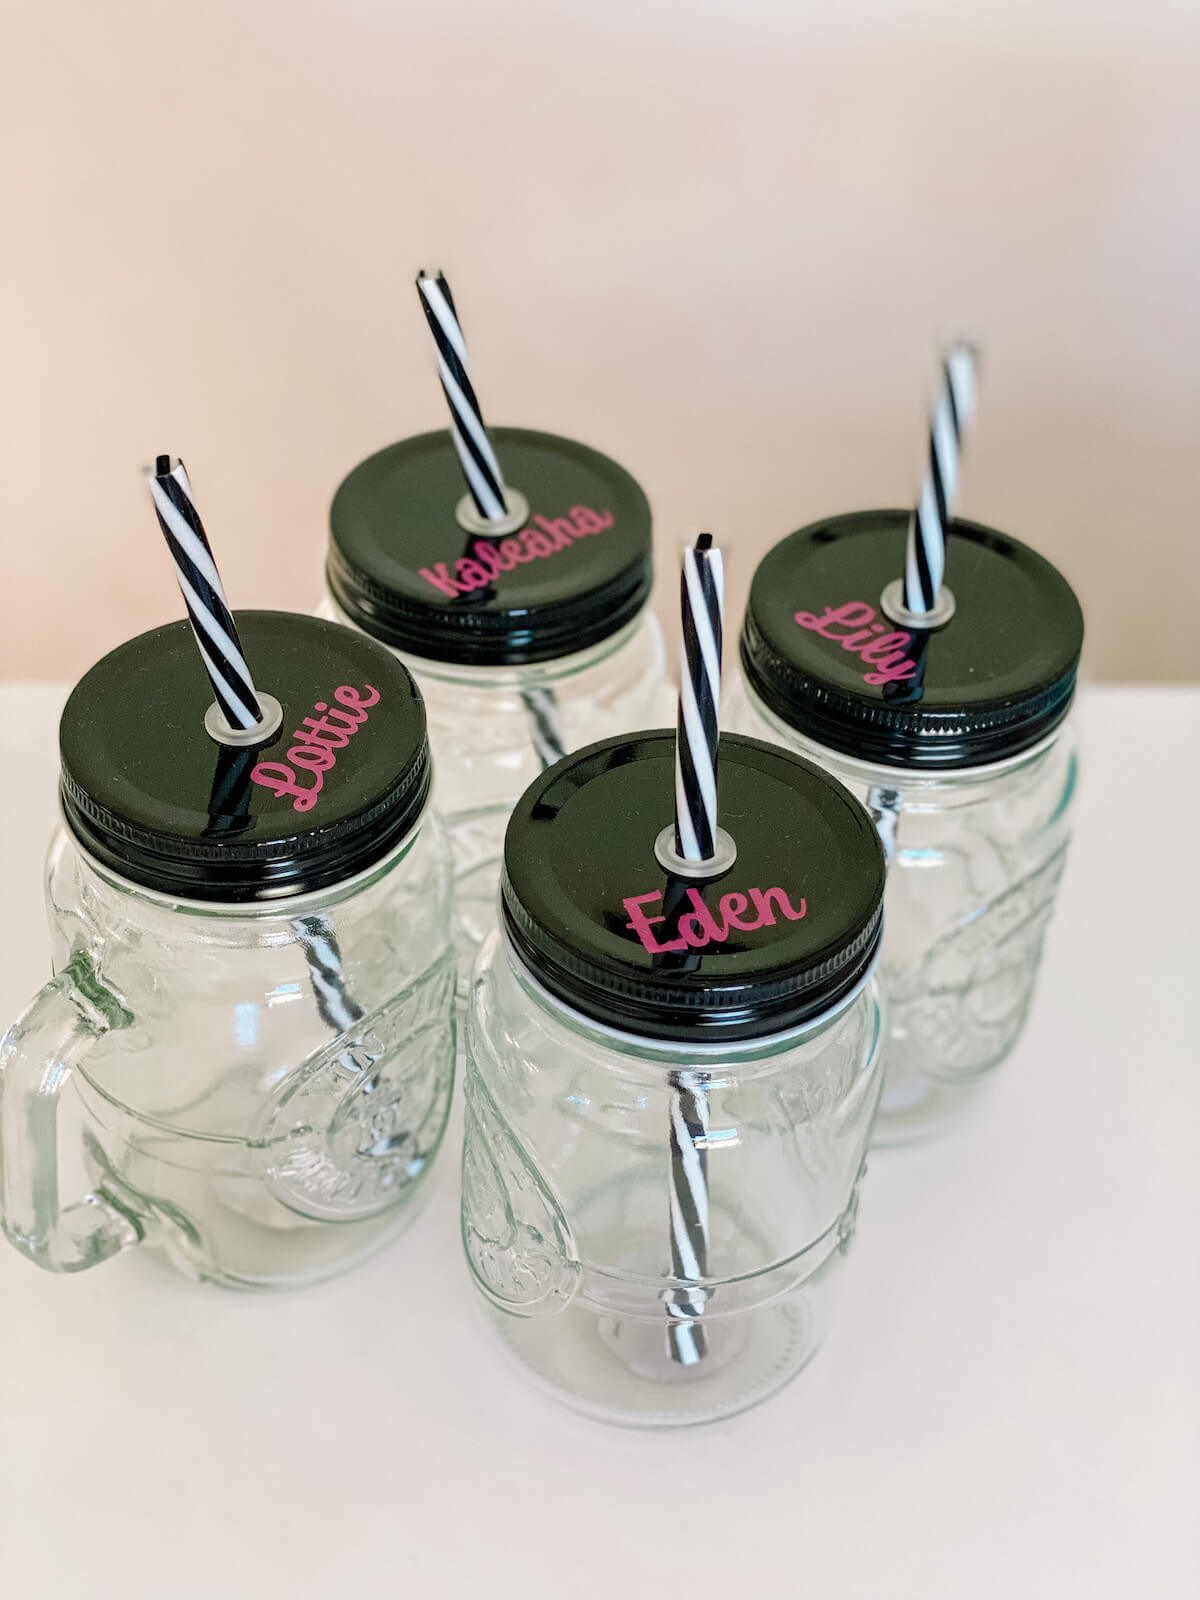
(318, 739)
(487, 561)
(882, 649)
(700, 926)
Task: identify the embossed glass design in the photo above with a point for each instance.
(493, 729)
(971, 888)
(566, 1181)
(263, 1086)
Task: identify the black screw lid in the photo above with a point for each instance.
(786, 932)
(403, 569)
(994, 680)
(148, 793)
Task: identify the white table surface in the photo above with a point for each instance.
(1008, 1404)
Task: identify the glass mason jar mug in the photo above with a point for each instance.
(670, 1083)
(254, 989)
(529, 638)
(955, 740)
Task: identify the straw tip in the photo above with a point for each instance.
(704, 541)
(961, 367)
(162, 466)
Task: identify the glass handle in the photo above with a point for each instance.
(37, 1053)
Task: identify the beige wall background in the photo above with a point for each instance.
(720, 240)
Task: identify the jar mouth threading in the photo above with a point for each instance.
(472, 675)
(916, 777)
(273, 905)
(649, 1048)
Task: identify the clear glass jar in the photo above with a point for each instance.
(261, 1030)
(529, 638)
(565, 1196)
(487, 728)
(234, 1106)
(955, 739)
(670, 1083)
(979, 853)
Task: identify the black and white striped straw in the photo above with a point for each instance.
(475, 452)
(925, 558)
(686, 1342)
(545, 724)
(702, 598)
(200, 584)
(338, 1008)
(484, 480)
(883, 802)
(702, 595)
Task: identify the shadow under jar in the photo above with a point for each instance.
(528, 639)
(254, 990)
(670, 1083)
(955, 740)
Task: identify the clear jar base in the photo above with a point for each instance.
(620, 1370)
(913, 1108)
(635, 1365)
(256, 1258)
